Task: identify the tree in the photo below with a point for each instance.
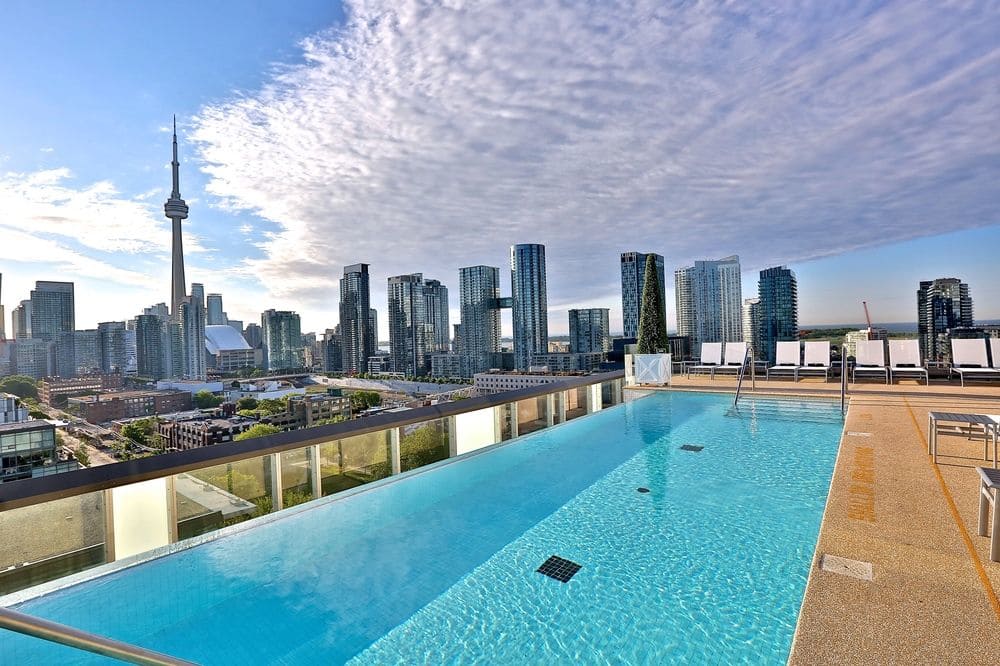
(270, 406)
(206, 400)
(82, 456)
(246, 403)
(20, 385)
(333, 419)
(652, 320)
(257, 430)
(362, 400)
(136, 431)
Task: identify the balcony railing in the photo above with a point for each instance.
(70, 522)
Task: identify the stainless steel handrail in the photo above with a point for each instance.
(747, 356)
(843, 379)
(81, 640)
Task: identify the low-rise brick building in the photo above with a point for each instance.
(55, 391)
(111, 406)
(193, 433)
(303, 411)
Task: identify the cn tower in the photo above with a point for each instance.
(176, 209)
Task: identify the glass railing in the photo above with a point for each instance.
(58, 525)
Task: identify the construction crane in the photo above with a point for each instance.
(868, 319)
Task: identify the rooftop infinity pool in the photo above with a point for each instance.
(692, 524)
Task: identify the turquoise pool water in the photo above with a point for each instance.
(709, 566)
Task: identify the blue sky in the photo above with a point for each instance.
(856, 142)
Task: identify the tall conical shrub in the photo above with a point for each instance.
(652, 320)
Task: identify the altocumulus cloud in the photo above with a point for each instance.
(429, 136)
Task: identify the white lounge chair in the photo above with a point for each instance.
(817, 359)
(904, 359)
(968, 357)
(787, 359)
(869, 359)
(736, 353)
(711, 358)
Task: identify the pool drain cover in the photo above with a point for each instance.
(560, 569)
(643, 490)
(691, 447)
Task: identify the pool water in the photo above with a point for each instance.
(440, 566)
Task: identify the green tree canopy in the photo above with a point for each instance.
(22, 386)
(271, 406)
(257, 430)
(246, 403)
(362, 400)
(652, 319)
(136, 431)
(207, 400)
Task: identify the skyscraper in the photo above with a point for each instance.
(530, 305)
(942, 304)
(408, 327)
(281, 340)
(114, 345)
(214, 313)
(333, 353)
(20, 319)
(633, 268)
(52, 310)
(176, 210)
(87, 352)
(751, 326)
(373, 325)
(709, 297)
(436, 297)
(779, 309)
(198, 293)
(358, 339)
(589, 331)
(253, 335)
(478, 335)
(194, 363)
(150, 341)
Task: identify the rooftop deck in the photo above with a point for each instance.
(933, 593)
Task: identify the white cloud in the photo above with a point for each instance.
(96, 216)
(423, 137)
(47, 149)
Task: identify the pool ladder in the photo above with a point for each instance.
(747, 359)
(54, 632)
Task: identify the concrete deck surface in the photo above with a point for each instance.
(933, 594)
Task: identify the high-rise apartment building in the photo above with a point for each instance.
(20, 319)
(333, 353)
(709, 297)
(115, 346)
(86, 352)
(194, 362)
(633, 268)
(252, 334)
(779, 309)
(530, 304)
(215, 316)
(198, 293)
(589, 331)
(150, 346)
(409, 330)
(357, 336)
(281, 340)
(52, 310)
(373, 325)
(31, 358)
(751, 326)
(478, 336)
(436, 297)
(942, 304)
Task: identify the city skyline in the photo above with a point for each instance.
(90, 205)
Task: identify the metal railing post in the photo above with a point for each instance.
(843, 379)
